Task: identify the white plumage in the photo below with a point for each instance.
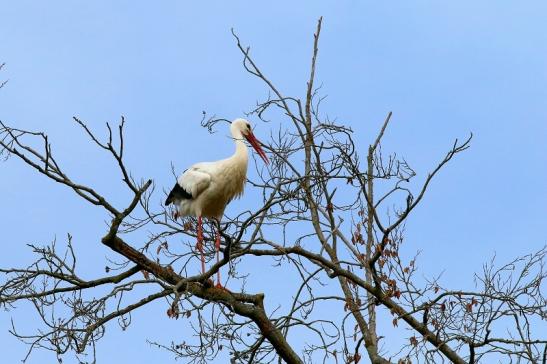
(205, 189)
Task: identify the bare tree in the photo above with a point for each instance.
(326, 212)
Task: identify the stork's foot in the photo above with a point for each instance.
(220, 286)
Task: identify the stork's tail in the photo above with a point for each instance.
(169, 199)
(177, 193)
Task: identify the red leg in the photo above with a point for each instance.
(217, 248)
(199, 244)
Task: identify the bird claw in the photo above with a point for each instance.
(220, 286)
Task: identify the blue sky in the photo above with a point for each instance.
(444, 68)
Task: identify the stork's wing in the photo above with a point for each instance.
(177, 194)
(190, 184)
(195, 180)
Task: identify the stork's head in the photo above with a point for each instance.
(243, 127)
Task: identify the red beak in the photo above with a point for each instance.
(256, 145)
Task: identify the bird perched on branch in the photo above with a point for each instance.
(205, 189)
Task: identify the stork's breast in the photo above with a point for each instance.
(236, 176)
(227, 185)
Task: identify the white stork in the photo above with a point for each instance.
(205, 189)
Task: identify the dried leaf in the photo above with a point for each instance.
(188, 226)
(414, 341)
(173, 311)
(381, 262)
(145, 274)
(469, 307)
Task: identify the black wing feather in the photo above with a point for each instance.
(177, 193)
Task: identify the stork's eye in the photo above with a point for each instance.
(249, 126)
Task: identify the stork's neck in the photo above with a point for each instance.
(240, 155)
